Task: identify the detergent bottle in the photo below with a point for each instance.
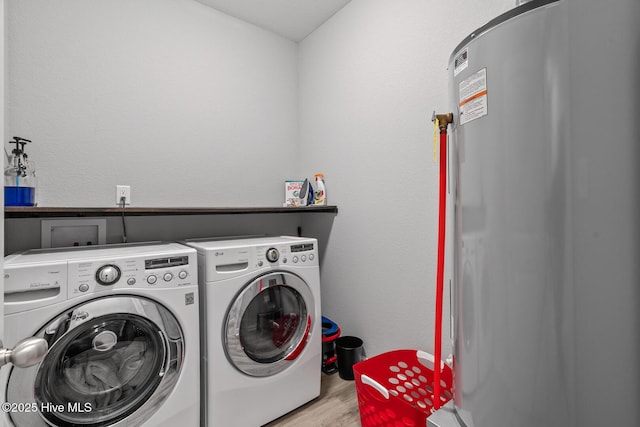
(321, 191)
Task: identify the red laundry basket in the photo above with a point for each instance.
(396, 388)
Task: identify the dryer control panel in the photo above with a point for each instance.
(302, 255)
(225, 259)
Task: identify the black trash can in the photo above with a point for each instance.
(349, 350)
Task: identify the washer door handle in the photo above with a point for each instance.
(28, 352)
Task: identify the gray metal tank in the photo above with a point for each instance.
(545, 152)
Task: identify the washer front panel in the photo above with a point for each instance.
(110, 359)
(268, 323)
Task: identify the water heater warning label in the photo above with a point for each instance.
(461, 62)
(473, 97)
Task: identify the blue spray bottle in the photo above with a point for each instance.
(19, 176)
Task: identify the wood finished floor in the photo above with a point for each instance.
(337, 406)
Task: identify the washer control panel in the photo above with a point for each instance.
(43, 277)
(85, 277)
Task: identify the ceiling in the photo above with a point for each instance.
(293, 19)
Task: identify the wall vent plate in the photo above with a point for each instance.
(56, 233)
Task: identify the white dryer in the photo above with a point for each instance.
(122, 325)
(262, 328)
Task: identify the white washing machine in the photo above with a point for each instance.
(122, 324)
(262, 327)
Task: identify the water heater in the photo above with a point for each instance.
(545, 154)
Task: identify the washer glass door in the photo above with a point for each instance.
(268, 323)
(111, 359)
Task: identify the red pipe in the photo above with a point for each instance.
(442, 210)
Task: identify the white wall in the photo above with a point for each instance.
(192, 107)
(370, 79)
(2, 124)
(187, 105)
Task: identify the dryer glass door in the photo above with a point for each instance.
(112, 359)
(268, 323)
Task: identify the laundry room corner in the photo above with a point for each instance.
(456, 244)
(370, 78)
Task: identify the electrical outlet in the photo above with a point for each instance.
(123, 191)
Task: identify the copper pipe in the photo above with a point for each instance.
(443, 121)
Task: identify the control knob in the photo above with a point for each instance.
(272, 255)
(108, 274)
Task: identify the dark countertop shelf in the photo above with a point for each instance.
(49, 212)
